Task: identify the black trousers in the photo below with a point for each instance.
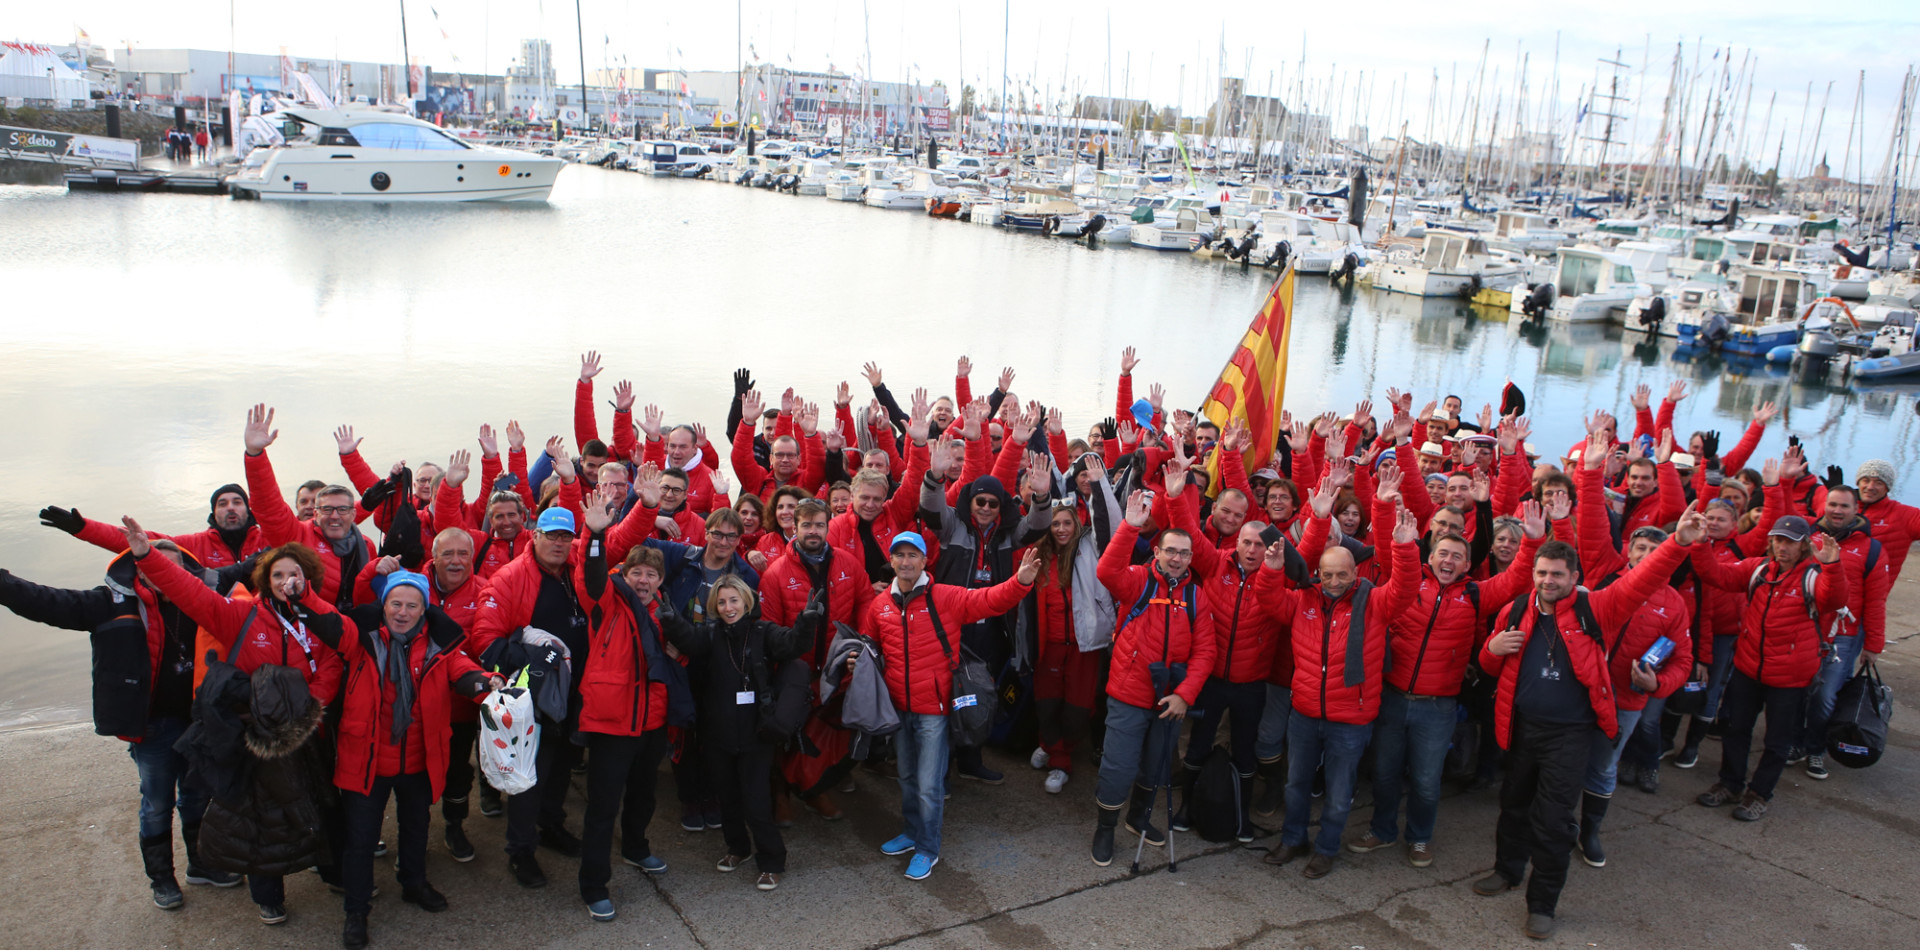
(1247, 702)
(739, 779)
(460, 772)
(1740, 707)
(689, 775)
(621, 772)
(545, 804)
(412, 794)
(1545, 766)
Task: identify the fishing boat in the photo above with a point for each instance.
(373, 155)
(1769, 312)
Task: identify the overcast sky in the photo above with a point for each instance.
(1132, 48)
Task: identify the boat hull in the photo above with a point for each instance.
(375, 175)
(1746, 341)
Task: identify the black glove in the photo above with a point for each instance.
(1109, 429)
(1835, 477)
(742, 381)
(1710, 442)
(377, 494)
(66, 519)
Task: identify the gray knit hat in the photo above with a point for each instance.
(1875, 468)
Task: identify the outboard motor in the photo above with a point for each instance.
(1538, 301)
(1349, 266)
(1716, 331)
(1470, 288)
(1094, 225)
(1277, 256)
(1244, 250)
(1653, 314)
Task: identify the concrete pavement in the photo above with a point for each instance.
(1833, 866)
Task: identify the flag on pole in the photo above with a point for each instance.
(1254, 381)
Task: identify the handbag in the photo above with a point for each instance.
(976, 696)
(1857, 732)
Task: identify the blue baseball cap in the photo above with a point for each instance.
(408, 579)
(1143, 413)
(908, 537)
(556, 518)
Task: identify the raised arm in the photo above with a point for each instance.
(1598, 556)
(278, 523)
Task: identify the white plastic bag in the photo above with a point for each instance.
(509, 740)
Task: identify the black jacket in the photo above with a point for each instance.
(750, 649)
(268, 800)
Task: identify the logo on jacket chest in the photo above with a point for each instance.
(1311, 613)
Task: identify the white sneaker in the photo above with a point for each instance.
(1056, 780)
(1040, 758)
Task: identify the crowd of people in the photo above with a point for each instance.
(1414, 594)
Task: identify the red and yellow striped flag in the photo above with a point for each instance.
(1254, 380)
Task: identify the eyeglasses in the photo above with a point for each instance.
(673, 490)
(786, 455)
(985, 502)
(723, 535)
(1176, 553)
(333, 509)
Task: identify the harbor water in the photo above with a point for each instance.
(138, 329)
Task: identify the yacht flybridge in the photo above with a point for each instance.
(372, 155)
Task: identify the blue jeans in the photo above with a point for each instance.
(1717, 673)
(1411, 735)
(163, 785)
(1308, 741)
(1271, 743)
(921, 745)
(1603, 755)
(1138, 750)
(1834, 672)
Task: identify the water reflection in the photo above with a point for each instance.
(138, 329)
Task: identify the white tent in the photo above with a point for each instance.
(24, 74)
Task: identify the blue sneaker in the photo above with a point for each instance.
(901, 844)
(601, 910)
(650, 864)
(920, 867)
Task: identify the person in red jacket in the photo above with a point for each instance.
(277, 633)
(1861, 625)
(500, 535)
(1792, 593)
(1431, 644)
(342, 548)
(1163, 652)
(917, 624)
(404, 666)
(1895, 526)
(1639, 691)
(1339, 634)
(1554, 692)
(231, 536)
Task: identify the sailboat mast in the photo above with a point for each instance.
(580, 38)
(406, 65)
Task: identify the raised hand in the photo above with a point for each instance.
(1276, 558)
(344, 440)
(1677, 391)
(1426, 412)
(1299, 438)
(1642, 396)
(1533, 519)
(1663, 449)
(1340, 472)
(917, 418)
(1237, 437)
(1056, 423)
(843, 395)
(1096, 466)
(807, 417)
(1825, 549)
(1388, 481)
(260, 432)
(589, 365)
(623, 396)
(1596, 451)
(963, 367)
(599, 508)
(1005, 383)
(973, 415)
(1023, 424)
(1362, 411)
(562, 459)
(1765, 412)
(1406, 528)
(650, 420)
(872, 372)
(516, 437)
(489, 446)
(1692, 527)
(751, 406)
(137, 540)
(458, 466)
(65, 519)
(832, 440)
(742, 381)
(1029, 569)
(1157, 395)
(1793, 466)
(1129, 433)
(720, 484)
(1486, 416)
(787, 402)
(1321, 498)
(646, 482)
(1482, 485)
(1039, 475)
(1176, 469)
(1128, 361)
(699, 434)
(1138, 507)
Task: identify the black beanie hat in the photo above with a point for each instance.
(229, 488)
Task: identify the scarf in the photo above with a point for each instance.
(390, 658)
(352, 552)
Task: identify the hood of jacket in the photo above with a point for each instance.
(284, 713)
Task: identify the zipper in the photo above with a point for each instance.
(1326, 640)
(1420, 658)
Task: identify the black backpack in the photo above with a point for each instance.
(1213, 804)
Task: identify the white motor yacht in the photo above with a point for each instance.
(1590, 285)
(371, 155)
(1450, 263)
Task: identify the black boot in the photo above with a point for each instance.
(1246, 805)
(1103, 836)
(157, 854)
(1140, 815)
(1183, 778)
(1273, 790)
(354, 934)
(1689, 754)
(196, 874)
(1593, 808)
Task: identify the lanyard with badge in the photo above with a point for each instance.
(299, 634)
(744, 695)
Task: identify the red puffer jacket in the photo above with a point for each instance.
(701, 498)
(919, 675)
(617, 698)
(267, 640)
(1246, 633)
(1324, 643)
(507, 603)
(1779, 640)
(786, 584)
(1172, 629)
(1664, 614)
(1895, 526)
(1439, 631)
(205, 546)
(902, 513)
(280, 525)
(1611, 608)
(440, 670)
(490, 553)
(1868, 579)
